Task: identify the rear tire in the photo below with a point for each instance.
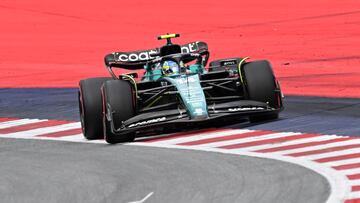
(118, 102)
(90, 107)
(261, 86)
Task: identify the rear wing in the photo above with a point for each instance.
(137, 59)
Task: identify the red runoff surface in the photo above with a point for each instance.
(313, 45)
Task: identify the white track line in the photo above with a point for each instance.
(74, 138)
(44, 130)
(350, 171)
(248, 139)
(96, 141)
(14, 123)
(342, 162)
(354, 182)
(333, 154)
(203, 135)
(323, 146)
(354, 195)
(144, 199)
(290, 142)
(80, 138)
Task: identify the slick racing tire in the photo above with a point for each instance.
(90, 107)
(261, 86)
(118, 106)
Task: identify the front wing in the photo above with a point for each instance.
(178, 119)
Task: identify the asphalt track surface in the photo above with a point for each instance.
(45, 171)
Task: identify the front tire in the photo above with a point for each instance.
(90, 107)
(261, 86)
(118, 106)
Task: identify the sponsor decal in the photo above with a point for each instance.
(228, 63)
(189, 48)
(137, 56)
(245, 109)
(146, 55)
(155, 120)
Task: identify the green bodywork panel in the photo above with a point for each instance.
(152, 75)
(196, 68)
(191, 93)
(188, 86)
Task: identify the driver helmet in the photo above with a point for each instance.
(170, 68)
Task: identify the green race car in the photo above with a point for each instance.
(176, 92)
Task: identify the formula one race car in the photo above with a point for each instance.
(175, 93)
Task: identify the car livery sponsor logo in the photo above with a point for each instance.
(245, 109)
(137, 56)
(146, 54)
(155, 120)
(189, 48)
(228, 63)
